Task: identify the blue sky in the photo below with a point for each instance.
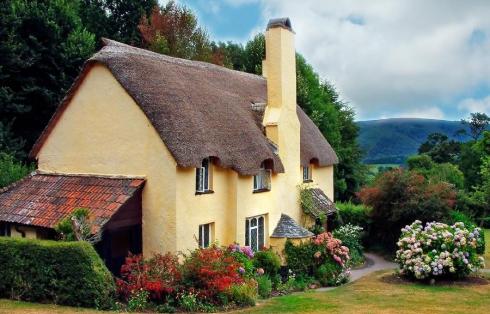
(387, 58)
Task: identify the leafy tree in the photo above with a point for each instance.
(445, 172)
(471, 158)
(11, 170)
(115, 19)
(399, 197)
(478, 123)
(42, 46)
(173, 30)
(440, 148)
(254, 54)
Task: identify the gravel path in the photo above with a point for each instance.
(373, 263)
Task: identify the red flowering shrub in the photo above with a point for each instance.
(160, 276)
(211, 271)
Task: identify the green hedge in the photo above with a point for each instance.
(69, 273)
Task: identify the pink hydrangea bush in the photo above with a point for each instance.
(438, 250)
(333, 258)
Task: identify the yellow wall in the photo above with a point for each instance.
(30, 232)
(103, 131)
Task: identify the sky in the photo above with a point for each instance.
(387, 58)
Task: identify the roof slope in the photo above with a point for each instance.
(288, 228)
(199, 109)
(321, 203)
(45, 199)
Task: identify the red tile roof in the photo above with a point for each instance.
(44, 199)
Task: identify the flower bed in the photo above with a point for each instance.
(439, 250)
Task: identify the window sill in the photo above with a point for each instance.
(307, 181)
(261, 190)
(205, 192)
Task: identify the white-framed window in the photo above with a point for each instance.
(205, 235)
(262, 180)
(203, 177)
(307, 174)
(254, 232)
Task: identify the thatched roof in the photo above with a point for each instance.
(288, 228)
(200, 110)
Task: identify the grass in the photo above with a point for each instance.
(368, 295)
(372, 295)
(18, 307)
(487, 248)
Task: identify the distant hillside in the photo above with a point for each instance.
(393, 140)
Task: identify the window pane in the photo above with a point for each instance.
(253, 236)
(198, 179)
(261, 233)
(206, 235)
(200, 236)
(253, 222)
(247, 232)
(206, 176)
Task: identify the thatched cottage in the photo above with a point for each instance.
(168, 154)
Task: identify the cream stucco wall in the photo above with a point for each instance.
(103, 131)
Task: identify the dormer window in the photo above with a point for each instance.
(307, 174)
(203, 177)
(262, 181)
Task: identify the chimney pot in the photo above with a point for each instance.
(283, 22)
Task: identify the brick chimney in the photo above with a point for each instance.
(280, 118)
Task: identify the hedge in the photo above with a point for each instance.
(68, 273)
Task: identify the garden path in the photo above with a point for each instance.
(374, 263)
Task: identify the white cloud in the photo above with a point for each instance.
(469, 105)
(426, 113)
(394, 56)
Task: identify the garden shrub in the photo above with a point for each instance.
(244, 294)
(269, 261)
(159, 276)
(438, 250)
(306, 258)
(210, 272)
(350, 236)
(354, 214)
(458, 216)
(398, 197)
(244, 256)
(264, 284)
(330, 274)
(68, 273)
(138, 301)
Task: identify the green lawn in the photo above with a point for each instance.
(487, 248)
(370, 294)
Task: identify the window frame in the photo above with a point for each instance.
(259, 234)
(262, 181)
(203, 228)
(308, 172)
(203, 177)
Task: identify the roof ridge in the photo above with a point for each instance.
(110, 43)
(105, 176)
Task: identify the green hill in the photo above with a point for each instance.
(391, 141)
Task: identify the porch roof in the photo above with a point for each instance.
(43, 200)
(288, 228)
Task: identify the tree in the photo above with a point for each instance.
(42, 46)
(440, 148)
(399, 197)
(173, 30)
(11, 170)
(478, 123)
(434, 172)
(116, 19)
